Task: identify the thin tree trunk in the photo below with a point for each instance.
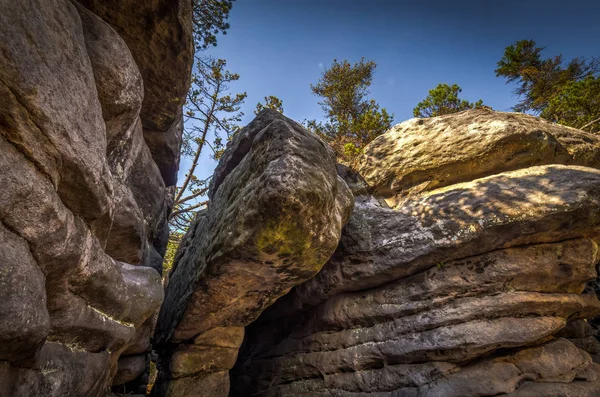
(198, 151)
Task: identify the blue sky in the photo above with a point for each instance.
(280, 47)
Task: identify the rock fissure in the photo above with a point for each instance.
(22, 148)
(458, 260)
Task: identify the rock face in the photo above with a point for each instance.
(420, 155)
(159, 35)
(82, 201)
(460, 260)
(461, 271)
(275, 217)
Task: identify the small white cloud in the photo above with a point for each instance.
(321, 65)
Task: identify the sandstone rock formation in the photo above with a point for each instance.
(275, 217)
(472, 239)
(83, 197)
(460, 260)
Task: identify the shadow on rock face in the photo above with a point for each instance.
(83, 199)
(275, 217)
(455, 278)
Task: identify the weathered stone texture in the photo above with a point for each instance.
(420, 155)
(159, 35)
(81, 198)
(457, 261)
(276, 213)
(463, 287)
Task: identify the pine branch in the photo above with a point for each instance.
(590, 123)
(188, 209)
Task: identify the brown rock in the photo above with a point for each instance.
(146, 184)
(215, 384)
(557, 361)
(420, 155)
(453, 343)
(202, 360)
(81, 195)
(118, 81)
(425, 283)
(488, 377)
(126, 240)
(24, 320)
(221, 336)
(165, 148)
(141, 342)
(258, 217)
(159, 35)
(49, 109)
(576, 329)
(129, 368)
(275, 218)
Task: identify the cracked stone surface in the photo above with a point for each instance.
(456, 274)
(81, 197)
(275, 217)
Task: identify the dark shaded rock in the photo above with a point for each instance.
(155, 261)
(214, 384)
(118, 81)
(355, 182)
(126, 239)
(60, 370)
(81, 198)
(141, 342)
(147, 186)
(159, 35)
(129, 368)
(419, 318)
(24, 320)
(576, 329)
(503, 375)
(165, 148)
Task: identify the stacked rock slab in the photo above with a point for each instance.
(83, 203)
(471, 242)
(275, 217)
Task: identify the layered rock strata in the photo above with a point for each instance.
(83, 203)
(275, 217)
(471, 242)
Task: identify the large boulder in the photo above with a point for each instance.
(81, 198)
(424, 154)
(275, 218)
(454, 278)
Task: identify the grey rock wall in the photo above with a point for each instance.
(83, 196)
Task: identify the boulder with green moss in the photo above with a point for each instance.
(275, 217)
(471, 245)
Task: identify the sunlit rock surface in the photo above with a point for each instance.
(461, 272)
(275, 217)
(459, 260)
